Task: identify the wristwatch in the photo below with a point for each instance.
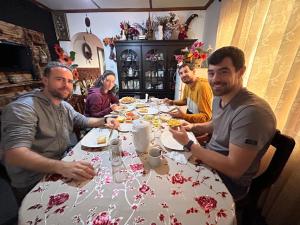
(187, 147)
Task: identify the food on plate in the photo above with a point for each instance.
(122, 107)
(148, 117)
(127, 100)
(121, 119)
(101, 140)
(165, 117)
(131, 116)
(174, 123)
(140, 105)
(143, 110)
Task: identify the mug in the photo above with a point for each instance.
(154, 157)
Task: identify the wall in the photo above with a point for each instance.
(107, 24)
(26, 14)
(211, 24)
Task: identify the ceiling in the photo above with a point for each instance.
(122, 5)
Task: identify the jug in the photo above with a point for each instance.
(141, 135)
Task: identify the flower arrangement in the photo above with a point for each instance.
(66, 59)
(129, 30)
(110, 41)
(195, 55)
(169, 22)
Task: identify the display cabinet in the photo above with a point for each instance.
(148, 67)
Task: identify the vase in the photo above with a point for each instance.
(167, 34)
(160, 34)
(198, 63)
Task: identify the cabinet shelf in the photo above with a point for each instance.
(27, 83)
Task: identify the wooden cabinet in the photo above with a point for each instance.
(24, 54)
(148, 67)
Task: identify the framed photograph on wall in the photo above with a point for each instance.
(61, 26)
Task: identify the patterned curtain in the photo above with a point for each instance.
(269, 33)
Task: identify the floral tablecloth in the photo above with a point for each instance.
(132, 193)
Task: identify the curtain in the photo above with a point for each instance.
(269, 33)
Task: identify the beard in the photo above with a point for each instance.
(60, 94)
(187, 80)
(220, 89)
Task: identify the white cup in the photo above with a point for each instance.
(154, 159)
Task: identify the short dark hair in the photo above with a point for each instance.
(54, 64)
(190, 65)
(235, 54)
(101, 78)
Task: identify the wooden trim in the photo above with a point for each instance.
(41, 5)
(150, 9)
(132, 9)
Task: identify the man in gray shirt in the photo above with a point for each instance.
(242, 125)
(35, 132)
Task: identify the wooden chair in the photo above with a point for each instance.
(78, 103)
(246, 208)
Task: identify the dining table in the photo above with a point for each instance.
(181, 190)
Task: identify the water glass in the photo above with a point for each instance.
(115, 152)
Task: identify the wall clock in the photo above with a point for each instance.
(87, 51)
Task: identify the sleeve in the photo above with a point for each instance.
(114, 99)
(18, 126)
(252, 128)
(78, 119)
(96, 108)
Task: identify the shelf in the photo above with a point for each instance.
(27, 83)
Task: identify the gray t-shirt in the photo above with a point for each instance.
(246, 121)
(32, 121)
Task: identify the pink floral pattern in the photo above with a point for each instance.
(103, 218)
(207, 203)
(58, 199)
(136, 167)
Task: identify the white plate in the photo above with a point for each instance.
(126, 108)
(125, 127)
(168, 141)
(150, 111)
(166, 108)
(90, 140)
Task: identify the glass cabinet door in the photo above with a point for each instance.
(154, 60)
(129, 70)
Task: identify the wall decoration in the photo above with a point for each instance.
(61, 26)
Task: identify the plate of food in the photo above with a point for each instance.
(127, 100)
(131, 116)
(147, 111)
(165, 117)
(98, 137)
(169, 142)
(124, 108)
(167, 108)
(141, 105)
(174, 122)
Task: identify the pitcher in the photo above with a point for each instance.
(141, 135)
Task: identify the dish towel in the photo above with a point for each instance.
(180, 157)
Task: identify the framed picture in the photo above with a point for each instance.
(61, 26)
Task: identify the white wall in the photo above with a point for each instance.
(107, 24)
(211, 24)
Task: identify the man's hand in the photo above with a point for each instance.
(112, 123)
(180, 135)
(79, 171)
(187, 126)
(168, 101)
(114, 107)
(177, 113)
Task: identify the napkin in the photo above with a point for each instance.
(180, 157)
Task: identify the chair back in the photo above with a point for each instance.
(284, 146)
(246, 208)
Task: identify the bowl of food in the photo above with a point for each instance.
(174, 123)
(127, 100)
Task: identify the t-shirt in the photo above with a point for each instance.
(199, 100)
(32, 121)
(246, 121)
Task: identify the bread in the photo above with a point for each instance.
(101, 140)
(143, 110)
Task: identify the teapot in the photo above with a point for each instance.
(141, 135)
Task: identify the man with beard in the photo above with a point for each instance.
(242, 125)
(197, 95)
(36, 131)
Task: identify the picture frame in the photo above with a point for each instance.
(61, 26)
